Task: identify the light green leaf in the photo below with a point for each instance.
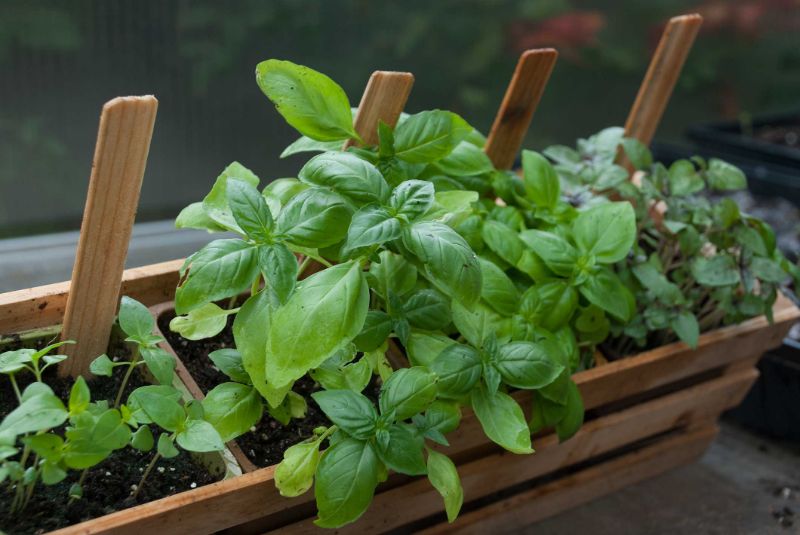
(403, 452)
(606, 231)
(476, 323)
(554, 250)
(194, 216)
(160, 363)
(427, 309)
(458, 368)
(232, 409)
(315, 217)
(724, 176)
(423, 347)
(142, 439)
(497, 289)
(503, 241)
(38, 412)
(502, 420)
(306, 144)
(347, 175)
(541, 181)
(159, 404)
(204, 322)
(215, 204)
(686, 327)
(79, 396)
(249, 209)
(352, 412)
(312, 103)
(429, 136)
(466, 159)
(279, 267)
(605, 290)
(412, 198)
(135, 319)
(199, 436)
(295, 473)
(229, 362)
(102, 365)
(166, 446)
(372, 225)
(14, 361)
(392, 273)
(408, 391)
(443, 476)
(527, 365)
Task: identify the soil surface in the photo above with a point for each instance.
(268, 439)
(108, 485)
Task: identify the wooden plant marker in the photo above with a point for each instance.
(383, 100)
(123, 142)
(662, 74)
(520, 101)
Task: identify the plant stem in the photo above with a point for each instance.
(303, 265)
(127, 377)
(81, 481)
(16, 388)
(146, 473)
(254, 286)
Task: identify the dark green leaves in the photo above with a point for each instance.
(309, 101)
(527, 365)
(719, 270)
(724, 176)
(605, 290)
(429, 136)
(448, 260)
(458, 368)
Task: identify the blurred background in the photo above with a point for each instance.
(61, 60)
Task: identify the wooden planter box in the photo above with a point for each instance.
(645, 414)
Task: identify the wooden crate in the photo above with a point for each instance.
(658, 400)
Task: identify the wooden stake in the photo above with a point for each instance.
(123, 142)
(665, 67)
(383, 100)
(520, 101)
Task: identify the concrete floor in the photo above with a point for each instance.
(744, 484)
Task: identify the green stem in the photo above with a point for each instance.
(146, 473)
(303, 265)
(127, 377)
(16, 388)
(254, 286)
(81, 481)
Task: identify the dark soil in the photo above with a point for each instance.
(108, 485)
(265, 443)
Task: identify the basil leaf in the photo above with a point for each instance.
(459, 368)
(466, 159)
(232, 409)
(502, 420)
(306, 144)
(346, 479)
(429, 136)
(372, 225)
(440, 418)
(160, 363)
(447, 259)
(556, 252)
(354, 413)
(199, 436)
(279, 267)
(250, 334)
(229, 362)
(393, 272)
(719, 270)
(605, 290)
(102, 365)
(295, 473)
(377, 327)
(142, 439)
(347, 175)
(249, 209)
(549, 304)
(423, 347)
(407, 392)
(204, 322)
(497, 289)
(314, 218)
(312, 103)
(215, 204)
(159, 404)
(637, 152)
(768, 270)
(541, 181)
(325, 314)
(427, 309)
(403, 451)
(606, 231)
(412, 198)
(686, 327)
(724, 176)
(476, 323)
(166, 446)
(36, 413)
(135, 320)
(221, 269)
(573, 417)
(194, 216)
(79, 396)
(526, 365)
(443, 476)
(503, 241)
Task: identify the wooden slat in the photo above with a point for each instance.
(586, 485)
(662, 74)
(500, 470)
(520, 101)
(44, 306)
(383, 100)
(123, 143)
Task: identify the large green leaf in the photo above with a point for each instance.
(605, 290)
(466, 159)
(606, 231)
(372, 225)
(408, 391)
(315, 217)
(527, 365)
(199, 436)
(556, 252)
(232, 409)
(347, 175)
(311, 102)
(346, 479)
(326, 312)
(458, 368)
(135, 319)
(295, 473)
(403, 450)
(447, 259)
(719, 270)
(443, 476)
(497, 289)
(215, 204)
(541, 181)
(354, 413)
(249, 209)
(36, 413)
(429, 136)
(502, 420)
(221, 269)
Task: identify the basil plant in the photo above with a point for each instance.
(401, 243)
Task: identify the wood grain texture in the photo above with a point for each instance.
(383, 100)
(494, 472)
(123, 143)
(44, 306)
(661, 76)
(540, 502)
(519, 103)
